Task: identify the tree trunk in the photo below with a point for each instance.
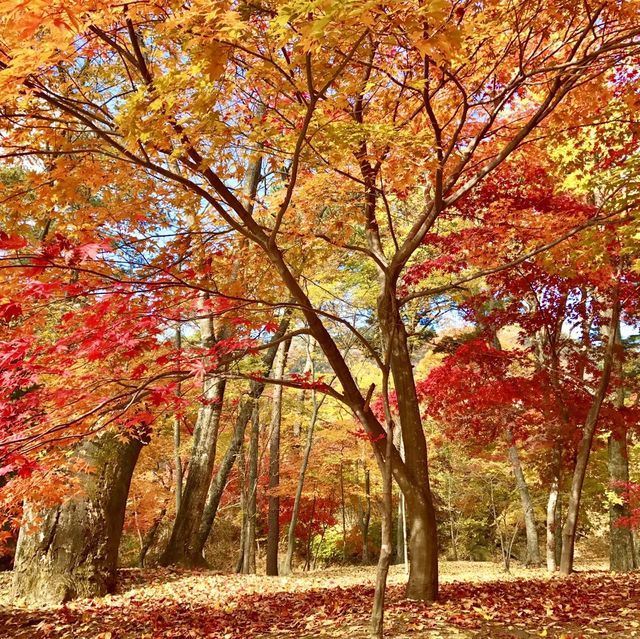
(423, 534)
(218, 483)
(622, 557)
(150, 537)
(412, 475)
(273, 532)
(364, 516)
(291, 536)
(182, 547)
(553, 527)
(533, 549)
(177, 434)
(249, 554)
(384, 560)
(71, 550)
(621, 549)
(344, 514)
(452, 526)
(584, 448)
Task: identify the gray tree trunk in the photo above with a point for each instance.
(386, 547)
(71, 550)
(177, 435)
(249, 552)
(531, 529)
(553, 518)
(622, 556)
(273, 533)
(364, 516)
(621, 549)
(291, 535)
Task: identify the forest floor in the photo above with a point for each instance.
(477, 600)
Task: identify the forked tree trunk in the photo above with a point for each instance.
(273, 532)
(182, 548)
(217, 484)
(71, 550)
(412, 475)
(531, 530)
(584, 448)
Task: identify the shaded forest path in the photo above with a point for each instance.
(477, 601)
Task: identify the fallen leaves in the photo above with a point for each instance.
(185, 604)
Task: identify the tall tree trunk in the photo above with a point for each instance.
(402, 556)
(553, 523)
(364, 516)
(531, 530)
(177, 434)
(584, 448)
(344, 514)
(71, 550)
(452, 526)
(249, 554)
(423, 534)
(243, 507)
(291, 535)
(218, 483)
(307, 370)
(386, 547)
(621, 547)
(182, 547)
(273, 532)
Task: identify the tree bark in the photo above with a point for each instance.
(621, 549)
(531, 530)
(150, 537)
(553, 524)
(386, 547)
(182, 548)
(584, 448)
(249, 554)
(291, 535)
(364, 516)
(273, 532)
(177, 434)
(71, 550)
(217, 485)
(423, 534)
(622, 557)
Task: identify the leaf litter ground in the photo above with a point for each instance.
(477, 600)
